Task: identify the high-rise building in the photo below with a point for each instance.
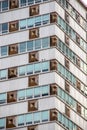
(43, 65)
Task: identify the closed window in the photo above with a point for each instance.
(2, 123)
(21, 95)
(4, 28)
(45, 90)
(3, 98)
(22, 24)
(46, 19)
(4, 5)
(30, 69)
(3, 74)
(30, 2)
(22, 47)
(37, 68)
(29, 118)
(37, 92)
(45, 116)
(37, 44)
(22, 2)
(20, 120)
(30, 22)
(30, 45)
(45, 42)
(4, 51)
(37, 117)
(38, 21)
(22, 70)
(45, 66)
(29, 93)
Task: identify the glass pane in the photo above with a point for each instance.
(45, 42)
(45, 116)
(2, 123)
(0, 6)
(2, 98)
(38, 44)
(4, 51)
(37, 67)
(37, 116)
(4, 27)
(22, 70)
(30, 45)
(22, 24)
(22, 47)
(21, 95)
(37, 92)
(21, 120)
(38, 21)
(30, 69)
(29, 118)
(3, 74)
(4, 5)
(45, 66)
(30, 22)
(45, 90)
(30, 2)
(45, 19)
(59, 117)
(29, 93)
(37, 1)
(22, 2)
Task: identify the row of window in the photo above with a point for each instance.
(72, 56)
(40, 67)
(12, 4)
(36, 118)
(40, 91)
(71, 10)
(62, 24)
(24, 24)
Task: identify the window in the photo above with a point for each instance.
(4, 50)
(45, 42)
(30, 2)
(22, 70)
(53, 115)
(4, 5)
(21, 95)
(3, 98)
(37, 116)
(30, 22)
(53, 89)
(20, 120)
(22, 47)
(2, 123)
(38, 21)
(45, 90)
(45, 66)
(53, 65)
(37, 92)
(37, 44)
(30, 93)
(22, 2)
(22, 24)
(4, 28)
(30, 69)
(45, 116)
(30, 45)
(3, 74)
(37, 68)
(53, 41)
(29, 118)
(46, 19)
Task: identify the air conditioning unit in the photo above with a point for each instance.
(12, 72)
(78, 17)
(53, 89)
(34, 10)
(33, 56)
(13, 26)
(35, 127)
(79, 108)
(13, 49)
(66, 39)
(53, 17)
(67, 17)
(78, 85)
(33, 80)
(53, 41)
(53, 65)
(34, 33)
(11, 97)
(10, 122)
(78, 61)
(78, 39)
(67, 87)
(13, 4)
(32, 105)
(53, 115)
(67, 111)
(67, 63)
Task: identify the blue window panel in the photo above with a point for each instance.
(30, 69)
(21, 120)
(0, 6)
(30, 45)
(22, 24)
(3, 74)
(21, 95)
(22, 47)
(37, 67)
(70, 125)
(37, 116)
(37, 1)
(29, 93)
(2, 123)
(45, 42)
(45, 90)
(0, 28)
(30, 2)
(38, 21)
(60, 117)
(45, 116)
(30, 22)
(45, 66)
(46, 19)
(22, 70)
(4, 5)
(29, 118)
(4, 51)
(2, 98)
(67, 123)
(22, 2)
(37, 44)
(4, 28)
(37, 92)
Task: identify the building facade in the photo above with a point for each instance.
(43, 65)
